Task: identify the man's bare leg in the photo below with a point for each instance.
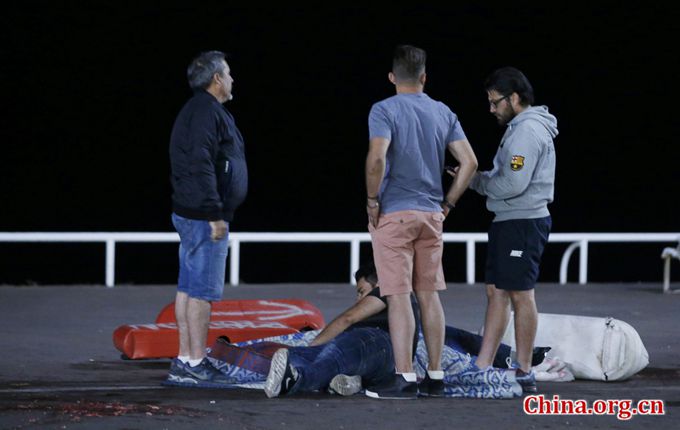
(198, 317)
(526, 322)
(495, 323)
(432, 318)
(402, 328)
(181, 301)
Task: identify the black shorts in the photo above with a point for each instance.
(514, 253)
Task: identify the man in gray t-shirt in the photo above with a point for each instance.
(409, 135)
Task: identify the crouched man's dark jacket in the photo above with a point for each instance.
(207, 158)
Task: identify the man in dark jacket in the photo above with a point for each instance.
(209, 181)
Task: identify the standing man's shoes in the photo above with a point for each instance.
(396, 389)
(203, 375)
(429, 387)
(527, 381)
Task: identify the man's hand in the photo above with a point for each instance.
(219, 230)
(445, 210)
(373, 210)
(453, 171)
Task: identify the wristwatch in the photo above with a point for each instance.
(377, 203)
(448, 204)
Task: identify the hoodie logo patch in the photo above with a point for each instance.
(516, 163)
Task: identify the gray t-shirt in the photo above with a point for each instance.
(419, 130)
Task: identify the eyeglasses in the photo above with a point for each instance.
(494, 103)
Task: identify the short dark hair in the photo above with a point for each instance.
(408, 63)
(508, 80)
(368, 272)
(203, 68)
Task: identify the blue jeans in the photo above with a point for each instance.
(202, 261)
(364, 351)
(470, 343)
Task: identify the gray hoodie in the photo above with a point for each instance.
(522, 181)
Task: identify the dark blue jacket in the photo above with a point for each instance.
(207, 159)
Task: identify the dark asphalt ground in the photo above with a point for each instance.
(60, 369)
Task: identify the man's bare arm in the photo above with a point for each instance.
(463, 153)
(375, 171)
(364, 308)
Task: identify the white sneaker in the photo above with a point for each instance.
(282, 376)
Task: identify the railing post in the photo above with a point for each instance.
(667, 274)
(470, 248)
(564, 264)
(110, 262)
(234, 262)
(353, 260)
(583, 263)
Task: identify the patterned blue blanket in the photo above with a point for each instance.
(459, 377)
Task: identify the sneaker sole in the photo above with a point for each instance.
(178, 381)
(346, 385)
(433, 396)
(529, 389)
(272, 386)
(374, 395)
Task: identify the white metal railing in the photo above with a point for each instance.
(577, 240)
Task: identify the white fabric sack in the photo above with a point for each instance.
(603, 349)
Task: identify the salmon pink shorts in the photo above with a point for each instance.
(407, 249)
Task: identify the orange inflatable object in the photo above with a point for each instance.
(237, 320)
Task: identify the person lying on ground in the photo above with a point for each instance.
(348, 353)
(371, 309)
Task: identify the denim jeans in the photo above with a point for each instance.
(470, 343)
(364, 351)
(202, 261)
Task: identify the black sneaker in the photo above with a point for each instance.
(527, 381)
(282, 376)
(538, 355)
(203, 375)
(396, 389)
(429, 387)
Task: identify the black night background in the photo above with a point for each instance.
(90, 92)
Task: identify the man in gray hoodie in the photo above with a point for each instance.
(518, 190)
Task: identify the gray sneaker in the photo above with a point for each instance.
(204, 375)
(176, 366)
(345, 385)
